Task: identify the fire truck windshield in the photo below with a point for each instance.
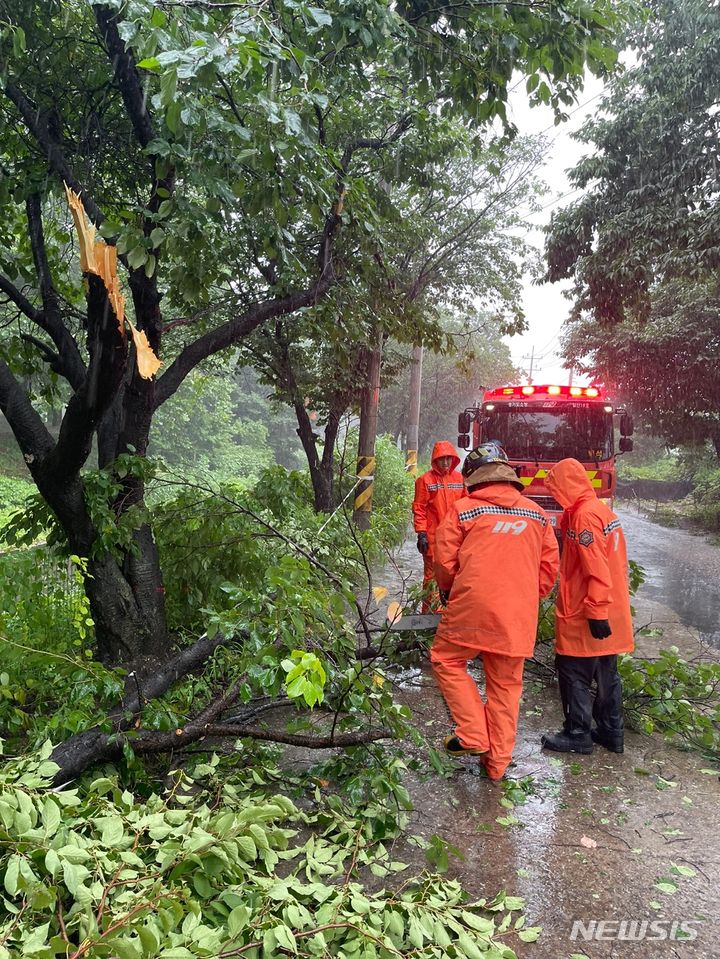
(552, 433)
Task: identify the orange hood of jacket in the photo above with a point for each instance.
(445, 448)
(569, 483)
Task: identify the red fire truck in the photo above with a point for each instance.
(540, 425)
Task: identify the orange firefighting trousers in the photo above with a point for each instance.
(489, 726)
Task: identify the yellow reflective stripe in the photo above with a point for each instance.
(366, 473)
(363, 500)
(368, 466)
(526, 480)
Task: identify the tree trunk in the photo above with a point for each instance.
(322, 469)
(323, 489)
(368, 432)
(127, 597)
(124, 608)
(716, 442)
(413, 416)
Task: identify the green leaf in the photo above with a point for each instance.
(149, 63)
(51, 817)
(112, 832)
(478, 923)
(137, 257)
(468, 947)
(74, 876)
(247, 848)
(321, 17)
(238, 919)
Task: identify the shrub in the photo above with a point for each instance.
(13, 495)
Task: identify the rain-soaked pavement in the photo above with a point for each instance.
(682, 573)
(603, 845)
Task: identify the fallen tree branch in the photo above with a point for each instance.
(338, 740)
(375, 652)
(108, 747)
(103, 744)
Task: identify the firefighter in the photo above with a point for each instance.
(495, 555)
(592, 619)
(435, 492)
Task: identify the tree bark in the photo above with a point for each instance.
(413, 416)
(322, 468)
(368, 432)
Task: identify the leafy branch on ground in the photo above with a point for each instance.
(220, 868)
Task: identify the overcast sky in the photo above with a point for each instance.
(545, 307)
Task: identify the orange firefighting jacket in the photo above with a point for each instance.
(593, 569)
(497, 551)
(435, 493)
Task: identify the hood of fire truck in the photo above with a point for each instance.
(569, 483)
(445, 448)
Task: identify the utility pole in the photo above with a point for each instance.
(368, 431)
(532, 363)
(413, 429)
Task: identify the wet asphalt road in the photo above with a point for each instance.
(682, 573)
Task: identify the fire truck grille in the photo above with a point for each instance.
(548, 503)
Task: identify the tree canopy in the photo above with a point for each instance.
(642, 244)
(446, 241)
(219, 149)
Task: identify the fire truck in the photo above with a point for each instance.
(540, 425)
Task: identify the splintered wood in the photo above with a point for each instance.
(100, 258)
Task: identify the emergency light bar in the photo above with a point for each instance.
(573, 392)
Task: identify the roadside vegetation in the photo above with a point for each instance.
(675, 487)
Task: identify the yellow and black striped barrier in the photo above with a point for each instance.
(411, 462)
(366, 473)
(592, 475)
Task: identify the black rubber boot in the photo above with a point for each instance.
(610, 739)
(456, 748)
(566, 742)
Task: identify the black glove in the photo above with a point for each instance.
(599, 628)
(423, 543)
(444, 596)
